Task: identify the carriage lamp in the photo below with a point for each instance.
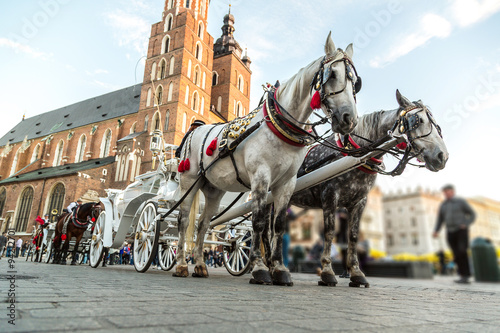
(156, 145)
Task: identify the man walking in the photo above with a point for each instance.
(457, 214)
(3, 242)
(19, 243)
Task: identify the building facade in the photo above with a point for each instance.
(78, 151)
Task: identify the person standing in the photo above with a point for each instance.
(10, 246)
(457, 215)
(24, 248)
(3, 243)
(19, 243)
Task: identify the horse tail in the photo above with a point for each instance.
(195, 208)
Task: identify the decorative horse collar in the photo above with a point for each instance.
(281, 125)
(348, 143)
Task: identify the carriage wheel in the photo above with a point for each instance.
(166, 256)
(146, 238)
(49, 251)
(237, 256)
(97, 243)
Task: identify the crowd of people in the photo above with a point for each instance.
(10, 247)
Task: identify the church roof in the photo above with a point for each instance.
(112, 105)
(59, 171)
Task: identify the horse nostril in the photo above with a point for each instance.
(440, 157)
(346, 118)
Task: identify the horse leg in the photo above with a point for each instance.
(357, 276)
(75, 249)
(267, 235)
(327, 273)
(104, 256)
(65, 248)
(280, 273)
(181, 270)
(56, 245)
(260, 186)
(212, 202)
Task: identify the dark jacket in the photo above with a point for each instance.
(3, 240)
(455, 212)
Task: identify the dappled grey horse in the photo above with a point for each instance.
(268, 159)
(350, 190)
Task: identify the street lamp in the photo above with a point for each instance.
(156, 145)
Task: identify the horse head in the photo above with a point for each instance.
(89, 211)
(336, 84)
(423, 132)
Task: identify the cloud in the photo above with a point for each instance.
(105, 85)
(97, 72)
(431, 26)
(130, 30)
(25, 49)
(467, 12)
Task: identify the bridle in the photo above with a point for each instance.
(408, 122)
(324, 74)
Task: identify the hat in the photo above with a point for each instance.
(198, 123)
(448, 187)
(46, 215)
(79, 200)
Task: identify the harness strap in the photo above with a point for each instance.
(236, 170)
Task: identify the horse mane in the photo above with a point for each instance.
(369, 125)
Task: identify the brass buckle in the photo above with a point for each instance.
(222, 143)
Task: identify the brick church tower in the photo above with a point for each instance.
(183, 79)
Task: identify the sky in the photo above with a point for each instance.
(447, 53)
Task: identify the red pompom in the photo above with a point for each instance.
(402, 146)
(211, 148)
(93, 219)
(187, 164)
(316, 101)
(181, 167)
(63, 237)
(37, 248)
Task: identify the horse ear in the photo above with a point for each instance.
(349, 51)
(330, 45)
(402, 101)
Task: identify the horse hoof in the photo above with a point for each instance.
(261, 277)
(357, 281)
(181, 271)
(327, 280)
(282, 278)
(200, 272)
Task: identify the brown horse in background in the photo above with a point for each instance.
(85, 215)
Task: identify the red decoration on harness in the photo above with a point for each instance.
(37, 248)
(211, 148)
(181, 167)
(63, 237)
(187, 165)
(402, 146)
(316, 101)
(93, 219)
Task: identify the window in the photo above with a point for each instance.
(14, 163)
(186, 99)
(200, 30)
(215, 79)
(168, 22)
(306, 231)
(163, 69)
(159, 96)
(403, 239)
(199, 51)
(3, 198)
(189, 68)
(146, 123)
(167, 120)
(390, 240)
(188, 3)
(56, 200)
(389, 224)
(59, 154)
(153, 71)
(148, 101)
(106, 144)
(170, 91)
(194, 102)
(202, 105)
(156, 122)
(170, 4)
(240, 83)
(219, 103)
(184, 122)
(35, 155)
(192, 120)
(239, 109)
(197, 75)
(414, 239)
(172, 64)
(165, 45)
(80, 150)
(133, 127)
(24, 211)
(203, 80)
(413, 222)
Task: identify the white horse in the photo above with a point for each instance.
(265, 161)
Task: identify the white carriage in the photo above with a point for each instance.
(136, 214)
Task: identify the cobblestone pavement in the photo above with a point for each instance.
(51, 298)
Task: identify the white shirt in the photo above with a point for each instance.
(71, 206)
(19, 242)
